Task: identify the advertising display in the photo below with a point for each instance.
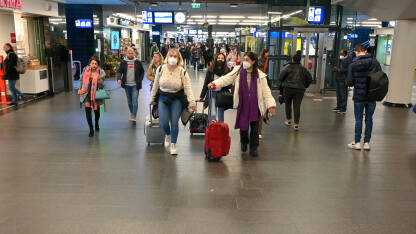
(316, 15)
(115, 40)
(83, 23)
(163, 17)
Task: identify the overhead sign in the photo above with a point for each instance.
(12, 4)
(163, 17)
(125, 22)
(83, 23)
(155, 33)
(316, 15)
(196, 5)
(147, 17)
(180, 17)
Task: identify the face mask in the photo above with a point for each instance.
(220, 63)
(246, 65)
(172, 61)
(230, 64)
(341, 57)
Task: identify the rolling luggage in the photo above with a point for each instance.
(217, 138)
(198, 121)
(153, 130)
(200, 66)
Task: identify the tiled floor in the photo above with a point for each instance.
(53, 179)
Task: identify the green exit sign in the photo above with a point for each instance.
(196, 5)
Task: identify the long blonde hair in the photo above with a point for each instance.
(180, 59)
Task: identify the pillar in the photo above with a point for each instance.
(403, 63)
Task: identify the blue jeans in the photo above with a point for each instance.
(132, 98)
(342, 95)
(216, 110)
(359, 108)
(169, 117)
(15, 92)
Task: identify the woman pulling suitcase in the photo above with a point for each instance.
(252, 98)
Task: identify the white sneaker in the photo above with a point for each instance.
(167, 141)
(354, 145)
(296, 127)
(366, 146)
(288, 122)
(260, 136)
(173, 149)
(132, 118)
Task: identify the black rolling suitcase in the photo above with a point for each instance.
(198, 121)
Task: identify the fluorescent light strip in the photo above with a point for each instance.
(221, 23)
(257, 17)
(253, 21)
(274, 13)
(232, 17)
(229, 21)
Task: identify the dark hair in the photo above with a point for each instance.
(360, 48)
(95, 58)
(296, 58)
(212, 66)
(10, 46)
(299, 52)
(344, 52)
(263, 52)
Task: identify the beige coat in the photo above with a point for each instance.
(264, 95)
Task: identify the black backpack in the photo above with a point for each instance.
(378, 85)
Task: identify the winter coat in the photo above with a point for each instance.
(138, 73)
(10, 72)
(343, 68)
(295, 76)
(264, 94)
(100, 85)
(209, 77)
(358, 75)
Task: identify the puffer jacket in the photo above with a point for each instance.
(264, 95)
(358, 75)
(10, 72)
(295, 76)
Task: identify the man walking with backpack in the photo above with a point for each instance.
(11, 74)
(358, 77)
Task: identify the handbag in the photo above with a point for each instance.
(225, 100)
(102, 94)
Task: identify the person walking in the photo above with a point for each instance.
(252, 98)
(264, 67)
(294, 79)
(195, 56)
(151, 72)
(172, 92)
(11, 74)
(217, 69)
(92, 79)
(130, 76)
(342, 82)
(358, 71)
(233, 58)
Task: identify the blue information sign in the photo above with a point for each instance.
(147, 17)
(83, 23)
(316, 15)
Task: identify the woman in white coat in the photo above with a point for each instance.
(252, 99)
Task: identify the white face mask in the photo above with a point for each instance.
(246, 65)
(341, 57)
(172, 61)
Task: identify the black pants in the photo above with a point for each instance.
(295, 96)
(254, 135)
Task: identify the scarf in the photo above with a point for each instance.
(248, 108)
(88, 77)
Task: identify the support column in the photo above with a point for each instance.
(403, 63)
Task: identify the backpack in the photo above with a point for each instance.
(20, 66)
(377, 86)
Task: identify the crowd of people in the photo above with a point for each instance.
(245, 78)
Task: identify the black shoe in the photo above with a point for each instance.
(243, 148)
(253, 153)
(91, 133)
(97, 128)
(12, 104)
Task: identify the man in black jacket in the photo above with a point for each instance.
(10, 73)
(358, 78)
(130, 76)
(341, 82)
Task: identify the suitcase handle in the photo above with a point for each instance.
(150, 112)
(209, 103)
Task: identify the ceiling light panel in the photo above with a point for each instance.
(229, 21)
(232, 17)
(257, 17)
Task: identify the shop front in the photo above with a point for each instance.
(25, 25)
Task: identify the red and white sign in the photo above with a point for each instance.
(12, 4)
(13, 37)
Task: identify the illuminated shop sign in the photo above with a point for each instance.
(156, 33)
(83, 23)
(12, 4)
(125, 22)
(316, 15)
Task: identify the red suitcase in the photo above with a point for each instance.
(217, 138)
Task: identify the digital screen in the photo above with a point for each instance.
(147, 17)
(352, 36)
(260, 34)
(316, 15)
(115, 40)
(156, 33)
(163, 17)
(83, 23)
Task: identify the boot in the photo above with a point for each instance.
(97, 119)
(88, 114)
